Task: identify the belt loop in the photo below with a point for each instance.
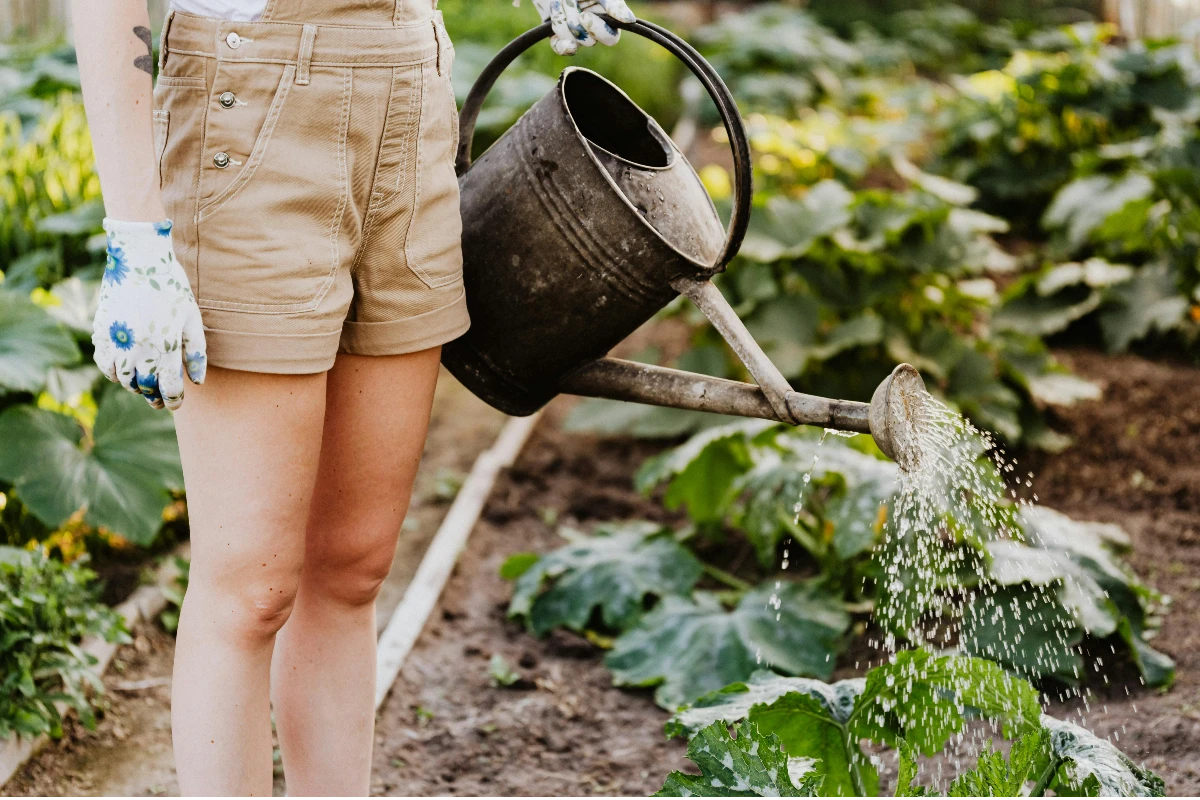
(304, 59)
(162, 41)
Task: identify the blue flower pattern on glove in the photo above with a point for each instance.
(197, 365)
(115, 269)
(148, 333)
(147, 385)
(121, 335)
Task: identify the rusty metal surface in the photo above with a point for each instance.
(657, 193)
(559, 264)
(618, 379)
(712, 303)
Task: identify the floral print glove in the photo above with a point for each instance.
(577, 22)
(147, 330)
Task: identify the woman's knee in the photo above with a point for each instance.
(351, 572)
(247, 606)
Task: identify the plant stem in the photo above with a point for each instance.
(856, 756)
(1043, 782)
(732, 581)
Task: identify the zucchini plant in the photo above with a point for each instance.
(803, 737)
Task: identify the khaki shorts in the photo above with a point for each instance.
(309, 170)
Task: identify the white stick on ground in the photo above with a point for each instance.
(422, 594)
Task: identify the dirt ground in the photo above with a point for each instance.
(1136, 462)
(566, 731)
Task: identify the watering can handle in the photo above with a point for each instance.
(703, 71)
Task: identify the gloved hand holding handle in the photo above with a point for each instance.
(147, 329)
(577, 22)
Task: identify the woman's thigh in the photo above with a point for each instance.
(250, 445)
(376, 416)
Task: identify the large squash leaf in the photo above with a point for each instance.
(614, 570)
(31, 342)
(1094, 766)
(690, 646)
(1029, 631)
(1149, 301)
(787, 228)
(702, 470)
(752, 765)
(921, 699)
(763, 688)
(1073, 562)
(122, 474)
(809, 716)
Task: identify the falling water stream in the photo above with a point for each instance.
(932, 586)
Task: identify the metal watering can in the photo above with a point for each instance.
(580, 223)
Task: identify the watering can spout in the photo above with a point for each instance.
(891, 418)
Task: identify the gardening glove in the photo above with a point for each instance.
(147, 329)
(578, 22)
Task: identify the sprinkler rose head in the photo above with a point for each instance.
(897, 408)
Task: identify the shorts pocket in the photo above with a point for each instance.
(433, 246)
(178, 125)
(270, 220)
(162, 129)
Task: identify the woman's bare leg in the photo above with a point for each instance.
(376, 417)
(250, 445)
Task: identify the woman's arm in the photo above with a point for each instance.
(148, 332)
(116, 67)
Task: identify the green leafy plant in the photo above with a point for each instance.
(614, 571)
(914, 704)
(993, 776)
(46, 608)
(751, 765)
(688, 646)
(918, 699)
(1016, 130)
(636, 580)
(120, 472)
(49, 197)
(832, 497)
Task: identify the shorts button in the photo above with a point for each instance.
(233, 40)
(227, 99)
(221, 160)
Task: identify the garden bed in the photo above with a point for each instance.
(563, 729)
